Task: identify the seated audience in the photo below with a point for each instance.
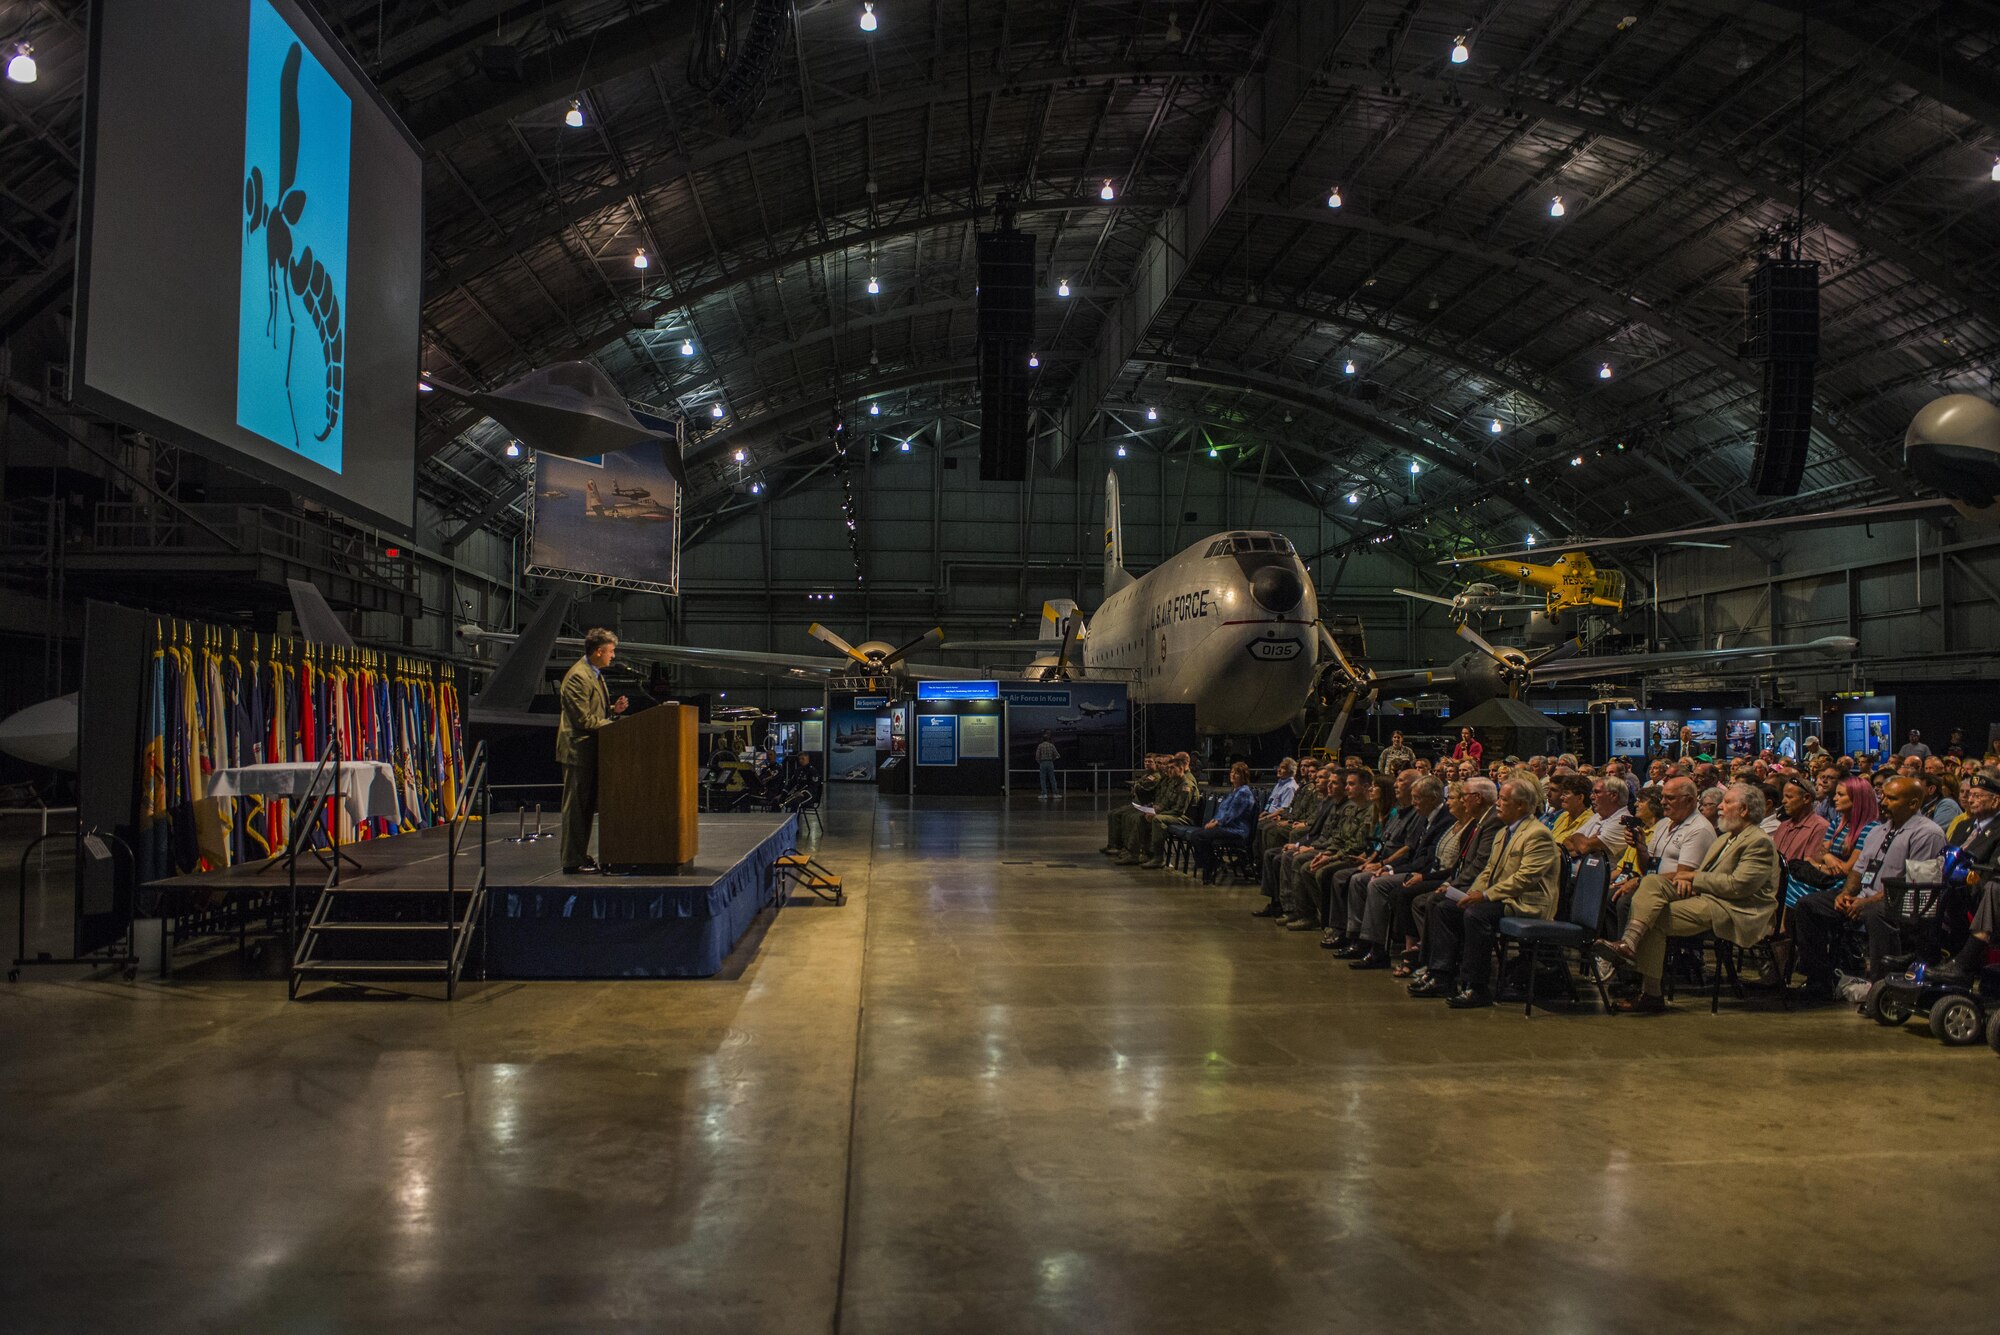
(1300, 821)
(1389, 841)
(1231, 824)
(1172, 800)
(1731, 892)
(1282, 866)
(1124, 823)
(1395, 757)
(1282, 789)
(1369, 890)
(1818, 919)
(1979, 835)
(1341, 839)
(1940, 797)
(1520, 879)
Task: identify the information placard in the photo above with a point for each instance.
(937, 739)
(979, 736)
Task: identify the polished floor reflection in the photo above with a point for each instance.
(1086, 1099)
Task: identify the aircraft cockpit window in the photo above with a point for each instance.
(1219, 548)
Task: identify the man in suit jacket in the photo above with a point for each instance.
(1520, 880)
(1733, 892)
(585, 708)
(1410, 906)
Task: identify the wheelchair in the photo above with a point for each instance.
(1959, 1011)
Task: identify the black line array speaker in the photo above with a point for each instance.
(1782, 335)
(1006, 340)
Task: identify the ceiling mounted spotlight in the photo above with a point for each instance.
(1033, 361)
(740, 456)
(1531, 539)
(716, 411)
(1576, 461)
(874, 287)
(1333, 200)
(1107, 194)
(1495, 427)
(424, 387)
(1062, 288)
(1604, 371)
(1433, 302)
(756, 488)
(1415, 468)
(1211, 452)
(513, 450)
(1349, 368)
(1121, 451)
(639, 260)
(1556, 209)
(1353, 498)
(904, 447)
(574, 116)
(21, 68)
(874, 410)
(868, 16)
(1152, 414)
(687, 347)
(1460, 52)
(1996, 161)
(1173, 32)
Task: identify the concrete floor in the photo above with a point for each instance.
(1087, 1099)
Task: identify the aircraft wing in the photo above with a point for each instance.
(1030, 646)
(753, 663)
(1613, 665)
(1704, 536)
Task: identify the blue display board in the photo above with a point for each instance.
(937, 739)
(958, 690)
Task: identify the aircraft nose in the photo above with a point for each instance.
(1276, 588)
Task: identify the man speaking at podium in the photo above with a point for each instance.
(584, 711)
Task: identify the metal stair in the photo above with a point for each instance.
(410, 924)
(799, 871)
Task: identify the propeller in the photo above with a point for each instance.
(1070, 633)
(1358, 682)
(1514, 666)
(819, 632)
(935, 635)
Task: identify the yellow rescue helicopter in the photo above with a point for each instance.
(1571, 582)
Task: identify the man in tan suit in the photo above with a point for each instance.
(1733, 893)
(1520, 880)
(585, 709)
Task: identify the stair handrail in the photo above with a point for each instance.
(475, 794)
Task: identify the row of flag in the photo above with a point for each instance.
(219, 698)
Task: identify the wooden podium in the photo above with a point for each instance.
(647, 766)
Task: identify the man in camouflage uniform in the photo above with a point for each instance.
(1171, 802)
(1122, 828)
(1341, 841)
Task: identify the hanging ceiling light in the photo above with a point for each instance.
(874, 410)
(756, 488)
(740, 456)
(874, 287)
(904, 447)
(639, 260)
(1121, 451)
(1556, 209)
(1531, 539)
(1152, 414)
(1996, 161)
(1062, 288)
(1494, 426)
(1349, 368)
(1173, 32)
(687, 347)
(1460, 52)
(1415, 468)
(574, 116)
(513, 450)
(1353, 498)
(1576, 461)
(1107, 194)
(22, 69)
(1211, 452)
(424, 387)
(1333, 198)
(868, 16)
(1604, 371)
(1033, 361)
(715, 411)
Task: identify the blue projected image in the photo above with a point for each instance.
(296, 141)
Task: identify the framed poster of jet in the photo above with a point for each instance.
(613, 521)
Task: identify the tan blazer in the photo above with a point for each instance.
(586, 707)
(1526, 875)
(1742, 872)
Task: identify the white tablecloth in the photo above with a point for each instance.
(367, 787)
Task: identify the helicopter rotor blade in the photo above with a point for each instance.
(1428, 598)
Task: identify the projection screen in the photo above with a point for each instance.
(249, 267)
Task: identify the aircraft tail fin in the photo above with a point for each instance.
(1116, 576)
(316, 621)
(511, 687)
(1056, 616)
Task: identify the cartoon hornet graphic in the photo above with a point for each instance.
(300, 276)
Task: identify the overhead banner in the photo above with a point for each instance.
(613, 521)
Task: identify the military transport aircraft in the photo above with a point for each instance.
(622, 509)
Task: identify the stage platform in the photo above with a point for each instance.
(540, 923)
